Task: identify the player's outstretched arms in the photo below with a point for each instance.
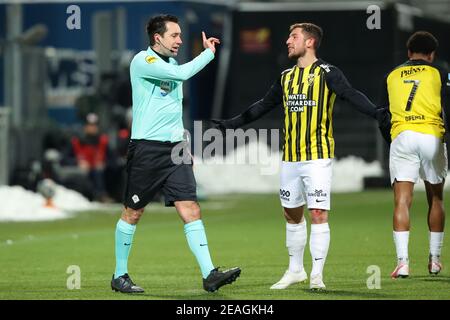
(339, 84)
(273, 99)
(254, 112)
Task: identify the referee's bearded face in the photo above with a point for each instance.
(170, 41)
(296, 44)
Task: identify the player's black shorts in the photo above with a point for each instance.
(150, 169)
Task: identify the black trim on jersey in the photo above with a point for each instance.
(288, 129)
(309, 113)
(319, 117)
(299, 123)
(328, 123)
(283, 79)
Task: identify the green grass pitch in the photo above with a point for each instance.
(243, 230)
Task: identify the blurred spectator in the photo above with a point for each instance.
(115, 174)
(123, 136)
(92, 103)
(90, 150)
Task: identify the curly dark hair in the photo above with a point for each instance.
(422, 42)
(157, 24)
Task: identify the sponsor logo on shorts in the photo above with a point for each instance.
(135, 198)
(317, 194)
(285, 194)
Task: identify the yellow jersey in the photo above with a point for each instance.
(415, 95)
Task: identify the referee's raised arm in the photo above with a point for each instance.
(157, 68)
(158, 61)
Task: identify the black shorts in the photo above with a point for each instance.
(150, 170)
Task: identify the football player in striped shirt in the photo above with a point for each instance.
(306, 92)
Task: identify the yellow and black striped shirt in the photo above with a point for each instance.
(307, 96)
(308, 107)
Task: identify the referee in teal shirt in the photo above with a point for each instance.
(156, 80)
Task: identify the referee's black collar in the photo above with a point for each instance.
(165, 58)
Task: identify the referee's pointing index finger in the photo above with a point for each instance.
(204, 36)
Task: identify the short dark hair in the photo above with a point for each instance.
(157, 24)
(312, 30)
(422, 42)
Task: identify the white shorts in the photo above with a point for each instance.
(306, 182)
(415, 155)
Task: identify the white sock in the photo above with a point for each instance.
(318, 245)
(401, 239)
(296, 235)
(436, 241)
